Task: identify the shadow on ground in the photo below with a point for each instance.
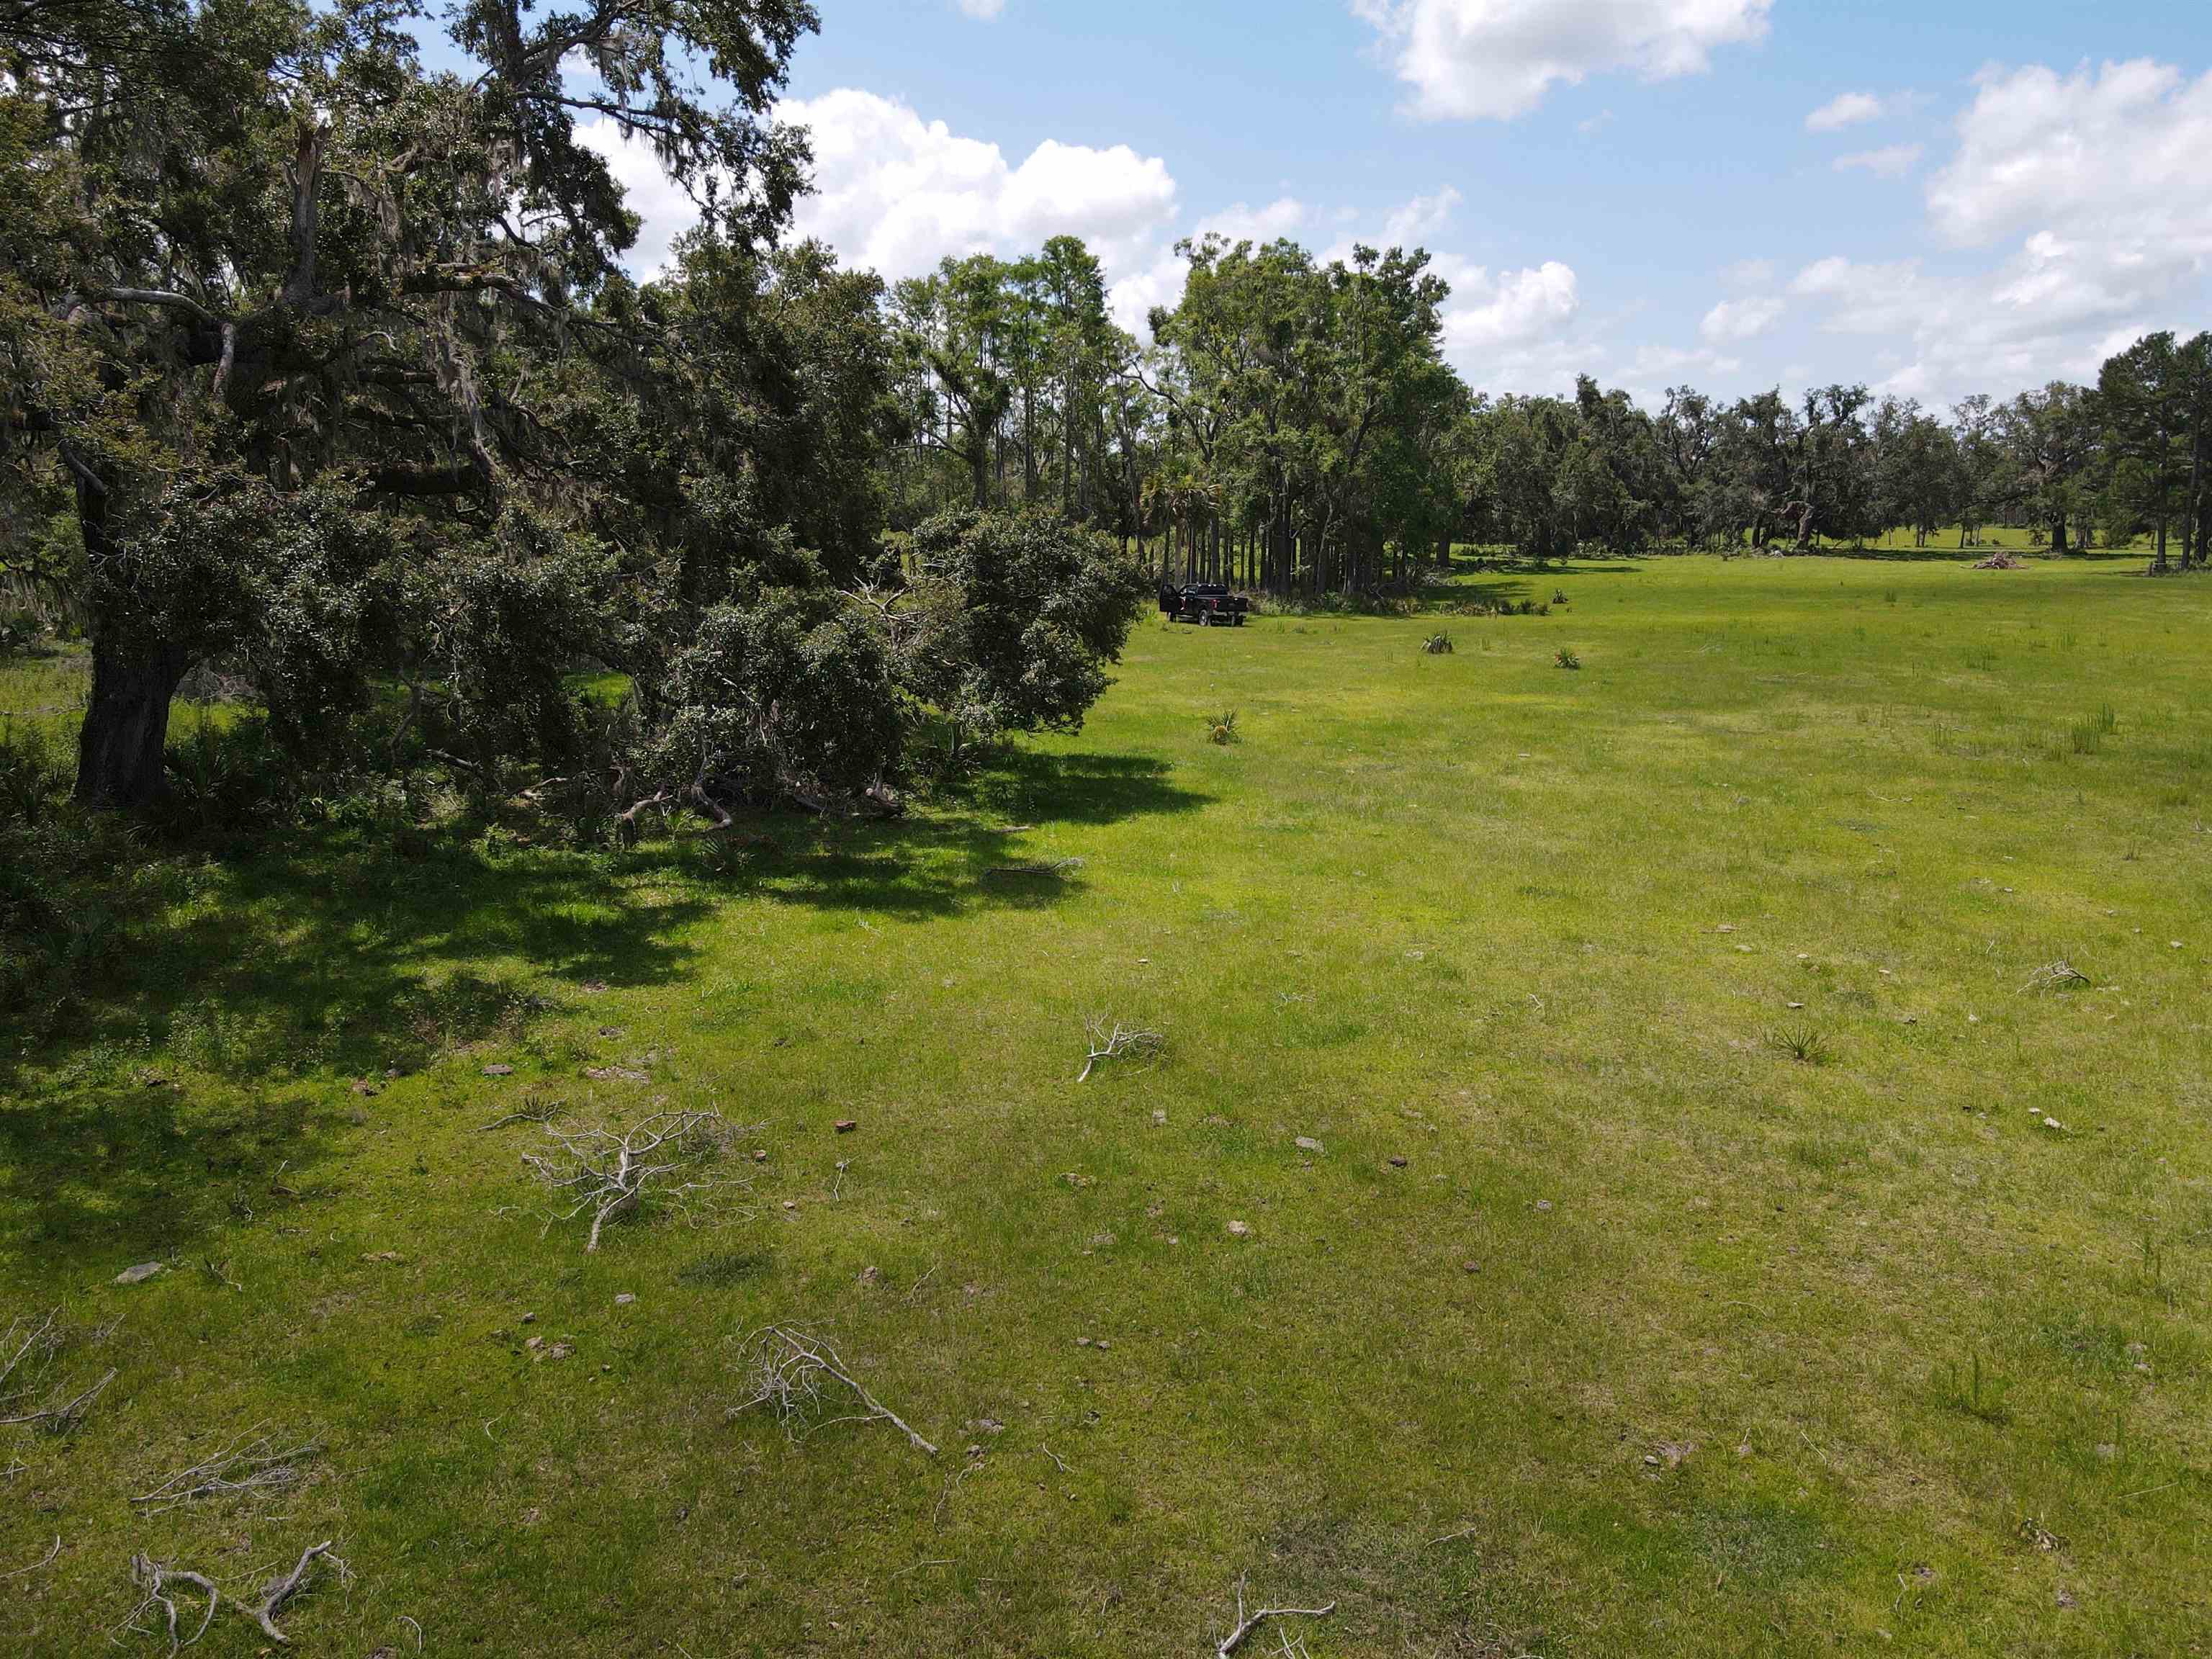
(199, 1051)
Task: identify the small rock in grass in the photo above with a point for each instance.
(364, 1087)
(560, 1351)
(845, 1126)
(1308, 1143)
(1725, 927)
(624, 1299)
(139, 1274)
(2052, 1123)
(1796, 1004)
(790, 1203)
(1471, 1266)
(610, 1031)
(1397, 1160)
(1544, 1205)
(1239, 1230)
(1159, 1116)
(498, 1069)
(1082, 1341)
(760, 1154)
(529, 1319)
(869, 1276)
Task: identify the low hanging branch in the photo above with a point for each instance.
(1246, 1623)
(252, 1463)
(1115, 1041)
(605, 1173)
(790, 1367)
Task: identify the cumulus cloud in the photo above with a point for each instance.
(1511, 309)
(1892, 161)
(983, 10)
(1846, 110)
(2084, 192)
(1741, 319)
(898, 193)
(1496, 60)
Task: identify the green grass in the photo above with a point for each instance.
(1546, 938)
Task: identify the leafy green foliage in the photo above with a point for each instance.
(1008, 621)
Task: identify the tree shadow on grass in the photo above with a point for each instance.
(208, 1048)
(963, 852)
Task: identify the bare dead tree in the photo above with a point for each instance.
(253, 1462)
(155, 1580)
(1115, 1040)
(605, 1173)
(790, 1368)
(1247, 1623)
(279, 1590)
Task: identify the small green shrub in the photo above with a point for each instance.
(1564, 657)
(1437, 645)
(1222, 729)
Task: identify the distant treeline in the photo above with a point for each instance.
(1296, 428)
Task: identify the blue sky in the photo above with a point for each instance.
(1936, 198)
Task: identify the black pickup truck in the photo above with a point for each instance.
(1209, 605)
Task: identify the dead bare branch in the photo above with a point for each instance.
(607, 1173)
(155, 1579)
(1246, 1623)
(1115, 1040)
(2057, 976)
(789, 1367)
(61, 1418)
(46, 1560)
(281, 1590)
(544, 1112)
(253, 1462)
(41, 1335)
(1046, 870)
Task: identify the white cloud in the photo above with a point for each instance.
(1496, 60)
(898, 193)
(983, 10)
(1846, 110)
(1892, 161)
(2087, 193)
(649, 191)
(1512, 309)
(1741, 319)
(1420, 219)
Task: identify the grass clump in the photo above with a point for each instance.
(1566, 657)
(1222, 728)
(1437, 645)
(1803, 1043)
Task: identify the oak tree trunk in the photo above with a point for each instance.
(126, 725)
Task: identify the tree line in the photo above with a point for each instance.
(1293, 428)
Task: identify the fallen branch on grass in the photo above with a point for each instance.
(250, 1463)
(607, 1174)
(1048, 870)
(281, 1590)
(789, 1368)
(2053, 974)
(155, 1579)
(1247, 1624)
(47, 1559)
(1119, 1042)
(61, 1418)
(539, 1114)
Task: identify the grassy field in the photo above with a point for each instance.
(1727, 1234)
